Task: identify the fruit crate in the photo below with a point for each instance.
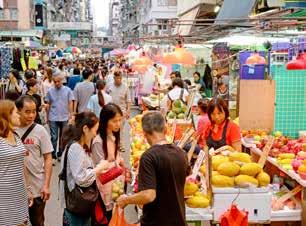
(181, 125)
(257, 201)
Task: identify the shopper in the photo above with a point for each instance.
(178, 92)
(99, 100)
(13, 193)
(221, 131)
(203, 121)
(48, 81)
(80, 169)
(32, 88)
(59, 105)
(64, 73)
(74, 79)
(39, 160)
(106, 146)
(83, 91)
(162, 173)
(200, 85)
(15, 85)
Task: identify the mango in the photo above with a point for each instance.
(240, 157)
(190, 189)
(197, 202)
(222, 181)
(250, 169)
(217, 160)
(263, 179)
(245, 180)
(286, 156)
(229, 169)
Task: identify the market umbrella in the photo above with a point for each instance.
(74, 50)
(179, 56)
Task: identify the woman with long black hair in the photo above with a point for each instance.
(106, 146)
(97, 101)
(80, 170)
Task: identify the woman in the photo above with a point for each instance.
(13, 193)
(32, 87)
(48, 82)
(199, 83)
(15, 85)
(80, 168)
(203, 121)
(97, 101)
(106, 146)
(222, 131)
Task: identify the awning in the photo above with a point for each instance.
(187, 19)
(233, 9)
(27, 33)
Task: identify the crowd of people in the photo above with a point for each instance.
(74, 112)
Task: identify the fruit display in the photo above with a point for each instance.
(238, 170)
(195, 198)
(178, 110)
(117, 189)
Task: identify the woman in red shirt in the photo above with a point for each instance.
(222, 131)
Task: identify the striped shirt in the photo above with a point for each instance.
(13, 196)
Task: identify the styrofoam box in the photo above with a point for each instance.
(257, 201)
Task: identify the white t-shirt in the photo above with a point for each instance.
(37, 143)
(174, 94)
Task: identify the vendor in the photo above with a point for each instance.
(222, 131)
(200, 85)
(178, 92)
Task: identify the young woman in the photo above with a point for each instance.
(199, 83)
(106, 146)
(48, 81)
(222, 131)
(13, 193)
(80, 167)
(99, 100)
(32, 87)
(15, 85)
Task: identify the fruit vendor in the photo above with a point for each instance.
(221, 131)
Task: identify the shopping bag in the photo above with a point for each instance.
(111, 174)
(234, 217)
(118, 218)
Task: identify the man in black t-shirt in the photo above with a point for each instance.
(162, 172)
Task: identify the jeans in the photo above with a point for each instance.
(56, 130)
(36, 212)
(70, 219)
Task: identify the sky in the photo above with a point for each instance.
(100, 8)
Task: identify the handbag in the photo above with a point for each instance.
(111, 174)
(80, 200)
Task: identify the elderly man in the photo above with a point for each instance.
(162, 172)
(59, 100)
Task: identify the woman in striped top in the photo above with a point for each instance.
(13, 195)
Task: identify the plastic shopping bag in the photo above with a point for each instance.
(118, 218)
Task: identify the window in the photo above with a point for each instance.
(14, 14)
(1, 14)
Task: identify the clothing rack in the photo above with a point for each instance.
(3, 85)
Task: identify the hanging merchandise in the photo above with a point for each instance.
(6, 58)
(298, 64)
(33, 63)
(23, 64)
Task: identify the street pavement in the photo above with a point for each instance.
(54, 211)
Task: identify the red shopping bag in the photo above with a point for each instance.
(118, 219)
(234, 217)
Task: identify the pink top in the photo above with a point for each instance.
(203, 123)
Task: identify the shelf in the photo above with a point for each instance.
(198, 214)
(286, 215)
(290, 173)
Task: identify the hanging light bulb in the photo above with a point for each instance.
(217, 8)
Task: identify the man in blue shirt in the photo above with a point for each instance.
(59, 100)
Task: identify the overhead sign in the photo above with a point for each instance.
(39, 18)
(80, 26)
(62, 37)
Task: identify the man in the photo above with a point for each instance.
(83, 91)
(162, 172)
(39, 158)
(120, 94)
(59, 106)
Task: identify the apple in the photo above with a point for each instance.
(257, 138)
(278, 134)
(296, 164)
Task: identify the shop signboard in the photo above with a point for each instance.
(78, 26)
